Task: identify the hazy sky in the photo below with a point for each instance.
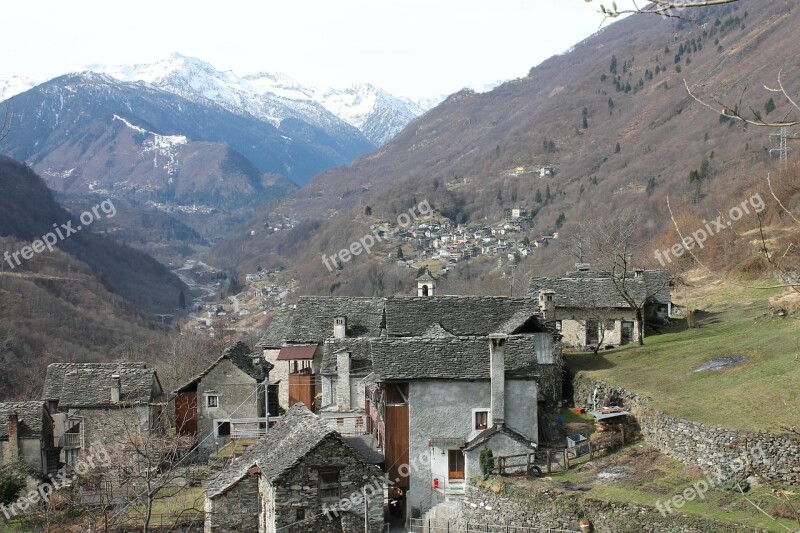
(413, 48)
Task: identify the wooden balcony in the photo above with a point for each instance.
(69, 441)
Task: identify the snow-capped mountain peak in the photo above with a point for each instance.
(274, 96)
(270, 96)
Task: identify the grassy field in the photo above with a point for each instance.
(761, 393)
(640, 474)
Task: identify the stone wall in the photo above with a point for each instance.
(236, 510)
(298, 489)
(559, 509)
(716, 450)
(239, 397)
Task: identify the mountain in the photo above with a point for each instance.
(28, 211)
(611, 116)
(275, 97)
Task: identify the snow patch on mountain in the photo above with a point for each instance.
(163, 146)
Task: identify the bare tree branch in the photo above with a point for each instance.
(9, 114)
(733, 113)
(659, 7)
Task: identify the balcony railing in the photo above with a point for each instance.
(69, 440)
(250, 427)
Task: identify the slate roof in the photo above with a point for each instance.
(487, 434)
(89, 384)
(360, 357)
(284, 445)
(31, 416)
(425, 276)
(312, 320)
(278, 330)
(54, 377)
(458, 315)
(240, 355)
(597, 289)
(458, 358)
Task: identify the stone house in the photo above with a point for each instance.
(589, 309)
(88, 402)
(301, 476)
(26, 433)
(227, 400)
(275, 338)
(432, 375)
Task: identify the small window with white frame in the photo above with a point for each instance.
(480, 419)
(558, 325)
(212, 401)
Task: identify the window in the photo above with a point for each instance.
(558, 325)
(300, 515)
(223, 428)
(329, 485)
(481, 420)
(610, 324)
(212, 400)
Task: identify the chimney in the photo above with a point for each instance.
(340, 327)
(638, 272)
(13, 437)
(582, 267)
(497, 373)
(115, 388)
(343, 380)
(547, 304)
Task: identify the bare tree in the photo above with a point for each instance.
(663, 8)
(613, 246)
(146, 463)
(6, 125)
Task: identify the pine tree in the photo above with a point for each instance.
(538, 196)
(770, 106)
(547, 192)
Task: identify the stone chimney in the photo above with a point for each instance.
(582, 267)
(343, 380)
(115, 388)
(340, 327)
(13, 437)
(497, 373)
(547, 304)
(638, 272)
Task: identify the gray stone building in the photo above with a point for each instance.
(227, 400)
(26, 433)
(432, 376)
(89, 401)
(301, 476)
(589, 309)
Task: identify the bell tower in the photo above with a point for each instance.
(426, 285)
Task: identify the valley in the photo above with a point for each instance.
(235, 300)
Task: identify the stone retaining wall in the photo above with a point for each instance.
(716, 450)
(563, 510)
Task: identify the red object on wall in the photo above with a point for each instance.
(435, 483)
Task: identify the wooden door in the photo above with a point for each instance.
(627, 333)
(186, 413)
(397, 443)
(455, 464)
